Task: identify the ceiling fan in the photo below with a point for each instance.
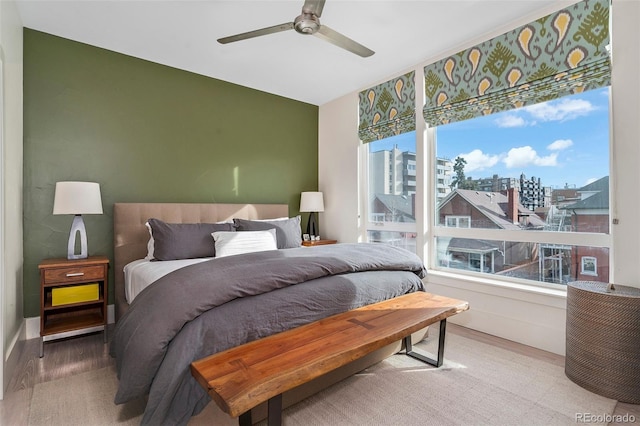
(308, 23)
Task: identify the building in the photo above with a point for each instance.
(532, 194)
(393, 208)
(579, 210)
(590, 214)
(497, 184)
(553, 263)
(465, 208)
(392, 190)
(392, 172)
(564, 196)
(444, 173)
(478, 209)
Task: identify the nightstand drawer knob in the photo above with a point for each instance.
(76, 274)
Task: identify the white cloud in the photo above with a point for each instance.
(526, 156)
(562, 110)
(560, 144)
(510, 120)
(478, 161)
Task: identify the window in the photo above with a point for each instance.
(589, 266)
(391, 189)
(530, 192)
(522, 193)
(458, 221)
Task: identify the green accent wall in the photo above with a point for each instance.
(148, 133)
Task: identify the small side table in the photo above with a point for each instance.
(603, 339)
(318, 243)
(78, 315)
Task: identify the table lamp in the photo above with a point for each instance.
(312, 202)
(77, 198)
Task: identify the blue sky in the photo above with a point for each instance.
(565, 141)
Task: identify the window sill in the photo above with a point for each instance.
(512, 290)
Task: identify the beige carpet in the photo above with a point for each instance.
(478, 385)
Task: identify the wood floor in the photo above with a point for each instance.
(80, 354)
(61, 358)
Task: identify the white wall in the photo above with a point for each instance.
(528, 315)
(11, 316)
(338, 169)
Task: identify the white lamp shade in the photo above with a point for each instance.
(311, 202)
(77, 198)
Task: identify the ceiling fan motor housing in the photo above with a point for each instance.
(307, 23)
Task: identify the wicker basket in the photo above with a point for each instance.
(603, 339)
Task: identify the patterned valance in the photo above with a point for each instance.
(388, 109)
(557, 55)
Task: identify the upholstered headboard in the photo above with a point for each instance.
(130, 235)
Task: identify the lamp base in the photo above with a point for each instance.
(312, 226)
(77, 227)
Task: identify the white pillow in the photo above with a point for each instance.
(231, 243)
(150, 243)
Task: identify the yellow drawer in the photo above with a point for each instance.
(75, 294)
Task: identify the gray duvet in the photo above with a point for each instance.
(212, 306)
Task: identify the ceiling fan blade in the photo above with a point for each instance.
(313, 6)
(256, 33)
(345, 42)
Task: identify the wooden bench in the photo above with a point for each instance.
(242, 377)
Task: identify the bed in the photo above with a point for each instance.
(220, 302)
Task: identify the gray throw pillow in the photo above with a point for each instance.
(288, 231)
(173, 241)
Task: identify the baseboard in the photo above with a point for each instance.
(33, 323)
(12, 356)
(20, 335)
(32, 327)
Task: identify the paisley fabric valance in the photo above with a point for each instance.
(388, 109)
(560, 54)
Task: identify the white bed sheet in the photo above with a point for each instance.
(141, 273)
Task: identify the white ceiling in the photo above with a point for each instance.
(183, 34)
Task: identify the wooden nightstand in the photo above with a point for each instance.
(318, 243)
(73, 297)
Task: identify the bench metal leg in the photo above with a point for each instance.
(434, 362)
(274, 413)
(245, 419)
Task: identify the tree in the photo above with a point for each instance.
(460, 181)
